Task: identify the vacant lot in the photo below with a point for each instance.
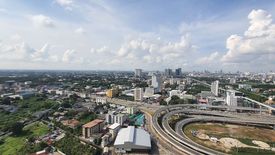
(12, 144)
(244, 134)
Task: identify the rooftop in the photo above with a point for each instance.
(114, 126)
(70, 122)
(93, 123)
(136, 136)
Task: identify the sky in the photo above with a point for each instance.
(127, 34)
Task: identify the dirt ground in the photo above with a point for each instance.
(230, 136)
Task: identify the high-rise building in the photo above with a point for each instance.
(178, 72)
(156, 83)
(232, 81)
(138, 94)
(231, 98)
(138, 72)
(112, 92)
(92, 127)
(215, 88)
(131, 110)
(168, 72)
(149, 92)
(114, 117)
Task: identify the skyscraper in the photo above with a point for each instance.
(215, 88)
(232, 81)
(178, 72)
(138, 94)
(156, 83)
(231, 98)
(168, 72)
(138, 72)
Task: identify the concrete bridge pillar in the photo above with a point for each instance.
(260, 110)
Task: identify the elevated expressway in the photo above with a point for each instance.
(176, 136)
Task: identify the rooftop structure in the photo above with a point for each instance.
(132, 138)
(93, 123)
(114, 126)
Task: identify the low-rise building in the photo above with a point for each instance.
(106, 139)
(113, 129)
(72, 123)
(102, 100)
(245, 86)
(92, 127)
(132, 139)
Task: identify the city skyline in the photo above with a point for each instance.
(154, 35)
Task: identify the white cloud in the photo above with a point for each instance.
(212, 58)
(256, 44)
(41, 54)
(148, 51)
(69, 55)
(67, 4)
(42, 20)
(16, 49)
(80, 30)
(260, 21)
(16, 37)
(102, 50)
(20, 51)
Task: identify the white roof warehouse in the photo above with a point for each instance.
(132, 139)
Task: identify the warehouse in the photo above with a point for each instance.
(132, 139)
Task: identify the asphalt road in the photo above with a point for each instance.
(185, 144)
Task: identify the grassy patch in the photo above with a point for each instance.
(12, 144)
(38, 129)
(25, 110)
(87, 117)
(173, 121)
(250, 151)
(247, 141)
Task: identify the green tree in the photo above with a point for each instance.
(31, 139)
(174, 100)
(6, 101)
(162, 102)
(17, 128)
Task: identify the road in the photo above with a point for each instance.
(163, 147)
(157, 139)
(166, 140)
(188, 146)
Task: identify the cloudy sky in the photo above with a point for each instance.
(127, 34)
